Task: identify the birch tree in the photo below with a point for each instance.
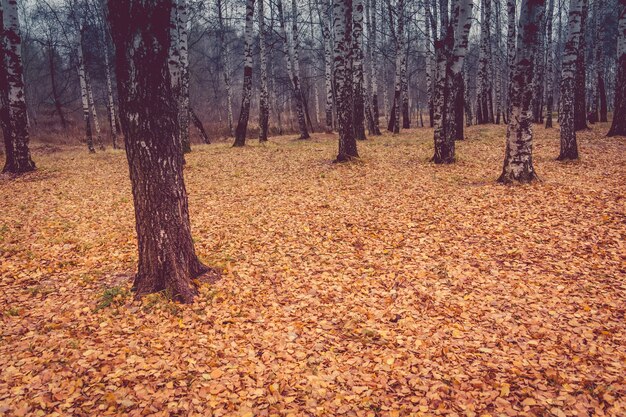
(569, 147)
(244, 113)
(374, 67)
(84, 92)
(167, 257)
(264, 105)
(549, 64)
(618, 127)
(293, 64)
(13, 116)
(450, 50)
(484, 108)
(511, 8)
(518, 159)
(580, 77)
(357, 69)
(226, 69)
(325, 17)
(343, 76)
(109, 84)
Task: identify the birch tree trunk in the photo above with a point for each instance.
(518, 159)
(549, 65)
(94, 113)
(225, 56)
(618, 127)
(244, 113)
(82, 77)
(398, 34)
(264, 99)
(183, 47)
(357, 70)
(430, 65)
(148, 113)
(374, 67)
(580, 88)
(537, 102)
(327, 35)
(498, 63)
(13, 111)
(485, 101)
(109, 84)
(510, 46)
(293, 65)
(593, 86)
(450, 52)
(343, 48)
(569, 147)
(600, 71)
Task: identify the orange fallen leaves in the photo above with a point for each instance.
(389, 287)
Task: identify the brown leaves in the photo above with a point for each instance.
(391, 287)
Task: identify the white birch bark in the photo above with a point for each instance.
(13, 115)
(618, 126)
(343, 47)
(109, 85)
(246, 94)
(569, 147)
(94, 113)
(82, 77)
(264, 105)
(357, 69)
(518, 162)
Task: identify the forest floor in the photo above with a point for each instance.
(384, 287)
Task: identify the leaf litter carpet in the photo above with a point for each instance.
(384, 287)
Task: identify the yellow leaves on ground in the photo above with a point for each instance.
(388, 287)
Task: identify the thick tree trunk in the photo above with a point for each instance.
(569, 147)
(13, 111)
(467, 103)
(580, 83)
(343, 47)
(357, 70)
(244, 113)
(450, 53)
(518, 159)
(618, 127)
(148, 112)
(549, 65)
(82, 77)
(264, 99)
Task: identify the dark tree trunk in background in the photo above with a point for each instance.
(58, 107)
(518, 159)
(618, 127)
(244, 114)
(148, 114)
(580, 84)
(198, 124)
(344, 77)
(13, 112)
